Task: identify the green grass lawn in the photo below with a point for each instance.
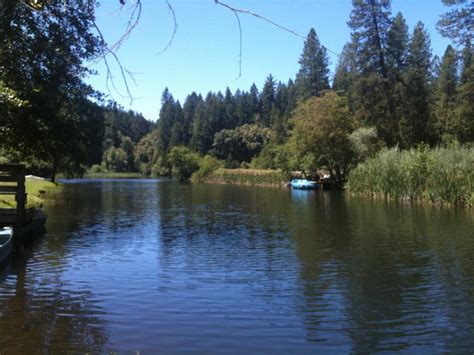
(38, 191)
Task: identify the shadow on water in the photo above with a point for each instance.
(39, 312)
(371, 276)
(391, 276)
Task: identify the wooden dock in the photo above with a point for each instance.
(12, 183)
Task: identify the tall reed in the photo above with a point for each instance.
(439, 175)
(247, 177)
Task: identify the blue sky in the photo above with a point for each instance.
(205, 52)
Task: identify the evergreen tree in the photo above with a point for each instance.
(242, 108)
(313, 75)
(458, 24)
(230, 118)
(166, 120)
(465, 130)
(199, 141)
(254, 100)
(417, 120)
(346, 69)
(446, 93)
(178, 133)
(291, 102)
(189, 109)
(396, 54)
(397, 48)
(267, 100)
(372, 91)
(370, 21)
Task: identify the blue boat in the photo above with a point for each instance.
(304, 184)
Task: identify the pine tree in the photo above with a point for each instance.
(397, 48)
(230, 119)
(370, 21)
(254, 100)
(396, 60)
(458, 24)
(189, 109)
(372, 93)
(292, 100)
(446, 94)
(267, 100)
(313, 75)
(417, 118)
(346, 70)
(200, 127)
(465, 99)
(178, 133)
(166, 120)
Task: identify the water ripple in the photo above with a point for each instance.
(156, 265)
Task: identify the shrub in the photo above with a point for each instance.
(96, 169)
(207, 166)
(183, 162)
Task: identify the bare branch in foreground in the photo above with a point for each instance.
(124, 72)
(248, 12)
(175, 28)
(238, 11)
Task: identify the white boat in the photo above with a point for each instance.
(6, 242)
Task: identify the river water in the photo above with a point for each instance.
(143, 265)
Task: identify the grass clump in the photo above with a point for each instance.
(258, 177)
(441, 176)
(111, 175)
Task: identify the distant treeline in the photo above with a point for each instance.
(388, 90)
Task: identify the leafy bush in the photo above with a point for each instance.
(272, 156)
(207, 166)
(115, 159)
(96, 169)
(183, 162)
(365, 142)
(240, 144)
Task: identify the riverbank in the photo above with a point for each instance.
(440, 176)
(38, 192)
(254, 177)
(112, 175)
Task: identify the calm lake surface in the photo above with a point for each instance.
(143, 265)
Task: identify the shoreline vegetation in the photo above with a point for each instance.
(250, 177)
(442, 176)
(112, 175)
(438, 176)
(39, 192)
(392, 120)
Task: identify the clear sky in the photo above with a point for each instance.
(205, 52)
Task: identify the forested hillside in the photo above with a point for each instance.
(388, 89)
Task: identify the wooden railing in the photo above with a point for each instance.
(12, 182)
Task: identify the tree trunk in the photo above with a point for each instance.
(54, 171)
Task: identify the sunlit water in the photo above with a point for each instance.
(158, 265)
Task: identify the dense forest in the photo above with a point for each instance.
(388, 90)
